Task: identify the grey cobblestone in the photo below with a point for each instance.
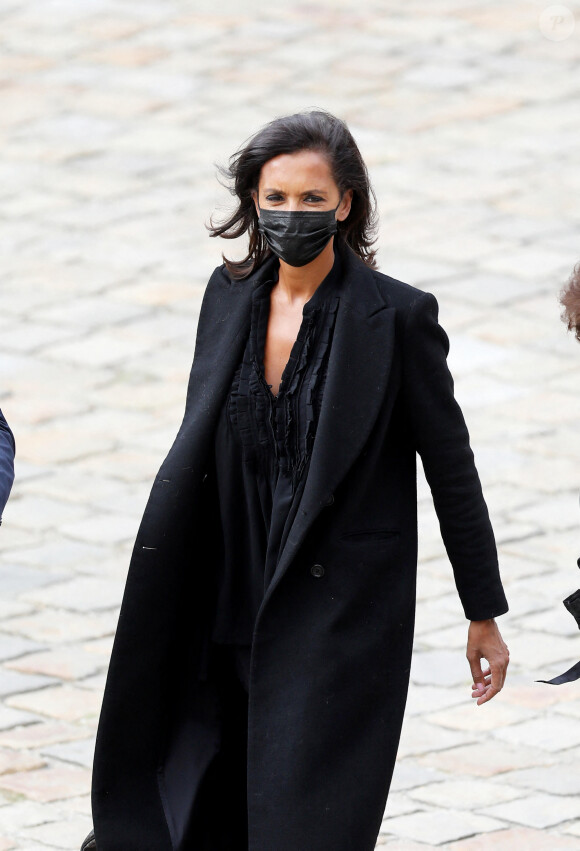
(113, 115)
(538, 811)
(440, 826)
(11, 682)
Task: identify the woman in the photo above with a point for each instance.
(271, 594)
(570, 301)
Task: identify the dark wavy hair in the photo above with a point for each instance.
(570, 301)
(314, 131)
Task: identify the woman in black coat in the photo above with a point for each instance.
(258, 679)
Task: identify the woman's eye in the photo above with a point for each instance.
(314, 198)
(273, 198)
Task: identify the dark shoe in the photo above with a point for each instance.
(89, 844)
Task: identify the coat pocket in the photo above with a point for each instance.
(359, 536)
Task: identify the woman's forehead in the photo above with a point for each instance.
(309, 167)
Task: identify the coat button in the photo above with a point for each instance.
(330, 500)
(317, 571)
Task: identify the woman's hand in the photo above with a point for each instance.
(484, 641)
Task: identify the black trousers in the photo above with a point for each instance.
(220, 814)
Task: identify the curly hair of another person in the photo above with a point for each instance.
(570, 301)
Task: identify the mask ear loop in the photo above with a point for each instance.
(336, 208)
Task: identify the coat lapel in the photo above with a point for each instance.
(358, 374)
(223, 331)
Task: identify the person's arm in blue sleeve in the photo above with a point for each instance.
(7, 451)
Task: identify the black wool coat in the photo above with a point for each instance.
(332, 643)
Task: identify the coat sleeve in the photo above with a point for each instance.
(7, 450)
(442, 440)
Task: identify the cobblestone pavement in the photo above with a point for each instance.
(112, 117)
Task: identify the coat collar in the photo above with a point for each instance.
(223, 331)
(224, 324)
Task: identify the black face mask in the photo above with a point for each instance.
(297, 236)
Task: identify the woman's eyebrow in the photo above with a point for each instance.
(306, 191)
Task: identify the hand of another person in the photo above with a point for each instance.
(484, 641)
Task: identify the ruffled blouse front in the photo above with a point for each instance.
(263, 447)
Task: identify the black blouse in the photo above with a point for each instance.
(263, 445)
